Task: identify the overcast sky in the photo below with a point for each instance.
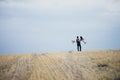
(28, 26)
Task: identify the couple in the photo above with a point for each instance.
(78, 41)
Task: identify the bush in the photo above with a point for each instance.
(102, 65)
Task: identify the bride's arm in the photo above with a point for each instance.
(83, 41)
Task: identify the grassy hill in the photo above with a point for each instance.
(86, 65)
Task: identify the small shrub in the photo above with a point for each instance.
(70, 51)
(102, 65)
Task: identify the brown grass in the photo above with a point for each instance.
(86, 65)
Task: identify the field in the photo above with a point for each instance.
(85, 65)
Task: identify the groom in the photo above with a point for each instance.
(78, 44)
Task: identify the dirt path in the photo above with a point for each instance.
(51, 66)
(40, 67)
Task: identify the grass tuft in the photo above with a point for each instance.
(102, 65)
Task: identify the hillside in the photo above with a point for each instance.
(86, 65)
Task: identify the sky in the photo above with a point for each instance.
(37, 26)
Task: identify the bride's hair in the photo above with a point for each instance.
(81, 38)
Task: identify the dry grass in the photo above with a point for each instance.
(86, 65)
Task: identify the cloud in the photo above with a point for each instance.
(23, 21)
(109, 6)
